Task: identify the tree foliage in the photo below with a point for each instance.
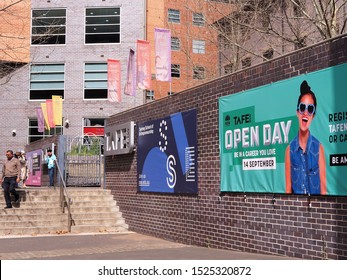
(251, 31)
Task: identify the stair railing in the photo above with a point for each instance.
(65, 200)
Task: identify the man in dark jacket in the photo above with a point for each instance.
(11, 171)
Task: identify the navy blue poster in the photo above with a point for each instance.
(167, 154)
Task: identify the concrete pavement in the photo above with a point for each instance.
(110, 246)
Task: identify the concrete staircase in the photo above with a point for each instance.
(93, 211)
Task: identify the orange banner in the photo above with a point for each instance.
(57, 109)
(114, 80)
(50, 114)
(44, 111)
(144, 77)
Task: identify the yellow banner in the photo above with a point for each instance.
(45, 116)
(57, 109)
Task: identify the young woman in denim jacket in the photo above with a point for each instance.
(304, 159)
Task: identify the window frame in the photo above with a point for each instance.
(149, 95)
(199, 46)
(46, 27)
(199, 73)
(36, 81)
(57, 130)
(246, 62)
(175, 71)
(198, 19)
(96, 72)
(174, 16)
(175, 44)
(228, 68)
(104, 34)
(93, 122)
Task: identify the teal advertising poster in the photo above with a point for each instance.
(287, 137)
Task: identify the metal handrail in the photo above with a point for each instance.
(65, 199)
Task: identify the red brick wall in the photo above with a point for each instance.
(256, 225)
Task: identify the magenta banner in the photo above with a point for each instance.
(162, 54)
(40, 119)
(130, 85)
(34, 168)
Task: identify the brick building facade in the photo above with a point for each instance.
(194, 47)
(67, 59)
(288, 227)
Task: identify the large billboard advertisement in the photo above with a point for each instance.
(287, 137)
(167, 154)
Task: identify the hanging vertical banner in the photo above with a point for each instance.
(162, 54)
(143, 64)
(57, 109)
(50, 113)
(45, 117)
(40, 119)
(130, 85)
(114, 80)
(34, 168)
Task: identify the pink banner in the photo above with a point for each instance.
(130, 85)
(114, 81)
(40, 119)
(162, 54)
(143, 64)
(50, 113)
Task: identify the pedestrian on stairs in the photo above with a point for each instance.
(11, 170)
(50, 160)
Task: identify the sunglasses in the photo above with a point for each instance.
(309, 107)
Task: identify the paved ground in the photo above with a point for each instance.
(125, 246)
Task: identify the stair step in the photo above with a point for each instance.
(32, 217)
(33, 230)
(88, 228)
(39, 212)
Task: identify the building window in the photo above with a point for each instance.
(174, 16)
(102, 25)
(199, 73)
(46, 80)
(175, 70)
(48, 27)
(198, 19)
(149, 95)
(198, 46)
(268, 54)
(175, 44)
(224, 42)
(93, 127)
(298, 8)
(34, 135)
(228, 68)
(247, 62)
(95, 81)
(300, 42)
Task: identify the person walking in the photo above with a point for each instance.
(11, 171)
(50, 160)
(20, 154)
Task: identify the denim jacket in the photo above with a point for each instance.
(304, 166)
